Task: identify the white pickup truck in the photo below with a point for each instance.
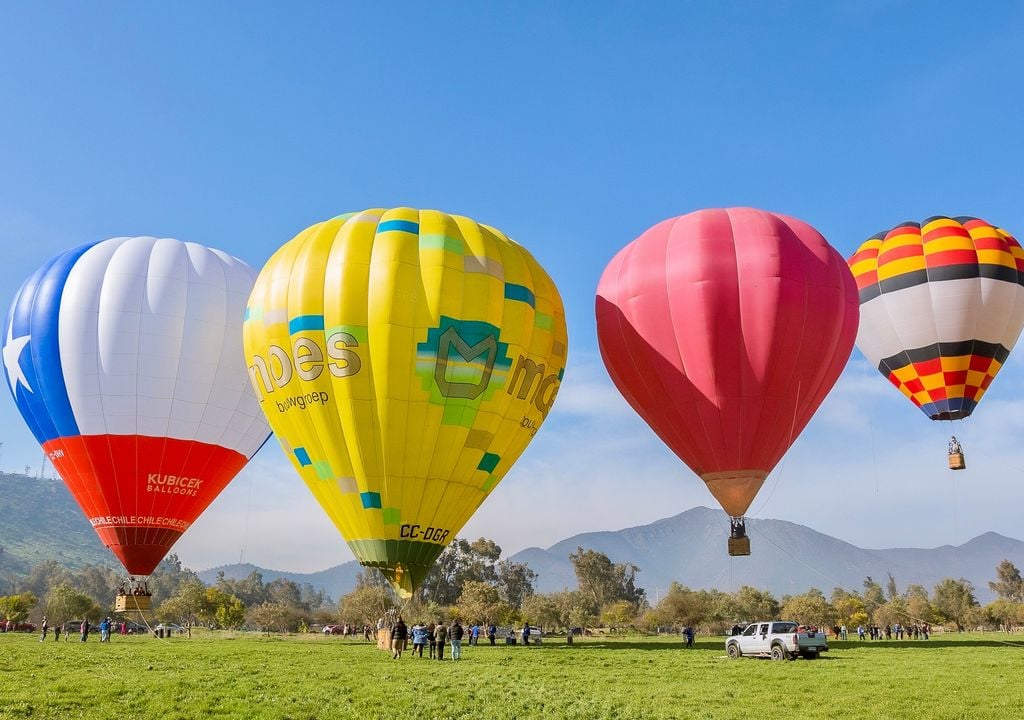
(779, 640)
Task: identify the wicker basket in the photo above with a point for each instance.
(132, 603)
(956, 461)
(739, 546)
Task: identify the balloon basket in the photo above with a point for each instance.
(132, 603)
(739, 546)
(956, 461)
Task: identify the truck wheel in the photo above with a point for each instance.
(779, 652)
(733, 651)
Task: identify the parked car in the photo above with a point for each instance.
(11, 626)
(779, 640)
(169, 628)
(334, 629)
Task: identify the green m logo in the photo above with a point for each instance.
(487, 348)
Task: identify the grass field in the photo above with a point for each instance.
(252, 677)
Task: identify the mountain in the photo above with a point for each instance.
(690, 548)
(335, 581)
(39, 520)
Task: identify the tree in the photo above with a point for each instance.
(618, 614)
(64, 603)
(285, 592)
(515, 582)
(43, 577)
(753, 604)
(954, 600)
(547, 611)
(461, 562)
(186, 606)
(1010, 585)
(168, 577)
(891, 591)
(849, 608)
(811, 608)
(1005, 613)
(223, 610)
(919, 607)
(874, 596)
(270, 616)
(481, 603)
(892, 612)
(365, 605)
(604, 582)
(683, 606)
(17, 607)
(250, 590)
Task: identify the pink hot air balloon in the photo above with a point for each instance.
(725, 330)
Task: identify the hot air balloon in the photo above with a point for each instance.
(405, 358)
(942, 305)
(725, 330)
(125, 360)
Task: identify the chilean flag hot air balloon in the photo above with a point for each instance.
(725, 330)
(125, 360)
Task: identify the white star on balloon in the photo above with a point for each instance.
(12, 354)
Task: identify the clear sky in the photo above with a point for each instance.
(572, 126)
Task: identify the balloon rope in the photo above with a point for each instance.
(778, 475)
(248, 510)
(874, 456)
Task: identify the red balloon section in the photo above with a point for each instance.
(725, 330)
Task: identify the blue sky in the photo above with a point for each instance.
(572, 126)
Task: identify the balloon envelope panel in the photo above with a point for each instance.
(405, 359)
(725, 329)
(942, 305)
(124, 358)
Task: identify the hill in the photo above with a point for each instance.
(787, 558)
(335, 581)
(39, 520)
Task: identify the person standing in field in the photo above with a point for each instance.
(492, 632)
(42, 638)
(84, 630)
(474, 634)
(419, 638)
(430, 639)
(455, 632)
(526, 634)
(399, 634)
(440, 637)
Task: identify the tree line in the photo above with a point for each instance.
(472, 583)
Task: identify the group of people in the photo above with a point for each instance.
(435, 636)
(106, 626)
(888, 632)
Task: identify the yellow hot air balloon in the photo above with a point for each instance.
(404, 359)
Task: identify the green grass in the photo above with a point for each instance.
(254, 677)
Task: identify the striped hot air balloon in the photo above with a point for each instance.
(125, 360)
(941, 305)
